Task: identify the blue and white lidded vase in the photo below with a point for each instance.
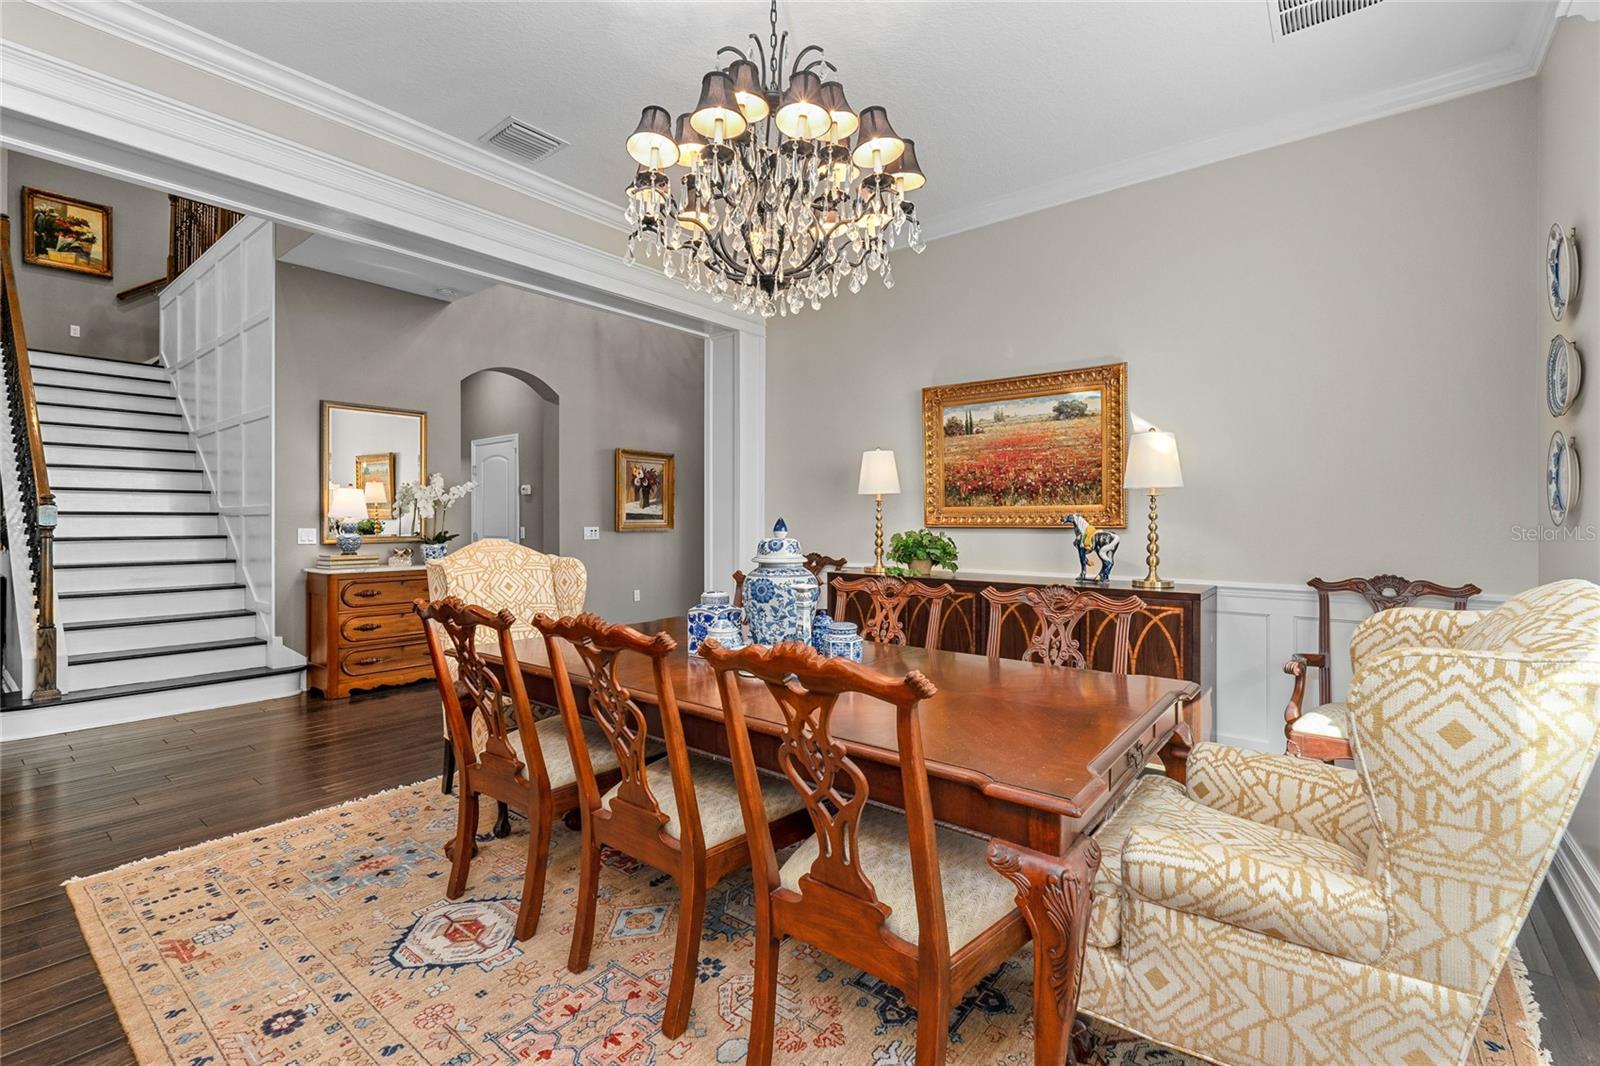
(712, 606)
(843, 641)
(434, 551)
(781, 594)
(820, 621)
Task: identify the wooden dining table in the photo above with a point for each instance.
(1033, 757)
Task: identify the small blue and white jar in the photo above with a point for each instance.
(713, 605)
(434, 551)
(819, 630)
(843, 642)
(724, 629)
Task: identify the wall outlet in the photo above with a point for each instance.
(75, 331)
(591, 532)
(306, 535)
(635, 595)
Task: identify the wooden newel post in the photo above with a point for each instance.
(45, 682)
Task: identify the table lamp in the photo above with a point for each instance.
(377, 499)
(879, 478)
(348, 505)
(1153, 465)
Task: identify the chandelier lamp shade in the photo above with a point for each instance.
(773, 192)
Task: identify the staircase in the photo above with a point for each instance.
(149, 598)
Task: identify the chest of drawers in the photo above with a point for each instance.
(361, 631)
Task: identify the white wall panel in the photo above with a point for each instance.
(217, 342)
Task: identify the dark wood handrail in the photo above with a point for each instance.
(40, 510)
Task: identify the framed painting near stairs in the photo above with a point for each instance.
(66, 233)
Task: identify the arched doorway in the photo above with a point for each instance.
(510, 435)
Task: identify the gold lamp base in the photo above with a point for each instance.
(877, 541)
(1153, 579)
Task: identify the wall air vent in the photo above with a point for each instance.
(515, 137)
(1292, 16)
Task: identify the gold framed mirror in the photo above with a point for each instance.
(376, 450)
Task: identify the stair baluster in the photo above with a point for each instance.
(38, 502)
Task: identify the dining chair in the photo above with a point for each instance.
(891, 603)
(527, 767)
(909, 901)
(816, 562)
(680, 816)
(1058, 611)
(1323, 732)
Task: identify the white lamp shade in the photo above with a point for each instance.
(879, 477)
(377, 492)
(1153, 461)
(347, 503)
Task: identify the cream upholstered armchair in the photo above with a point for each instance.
(500, 575)
(1277, 911)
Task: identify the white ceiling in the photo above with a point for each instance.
(1014, 106)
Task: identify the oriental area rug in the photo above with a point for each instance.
(328, 939)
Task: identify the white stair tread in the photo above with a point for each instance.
(97, 364)
(119, 623)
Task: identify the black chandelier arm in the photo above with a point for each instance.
(820, 61)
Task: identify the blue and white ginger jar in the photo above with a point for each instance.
(713, 606)
(842, 642)
(780, 596)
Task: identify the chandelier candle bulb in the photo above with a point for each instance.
(778, 208)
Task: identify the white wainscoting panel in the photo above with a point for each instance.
(217, 342)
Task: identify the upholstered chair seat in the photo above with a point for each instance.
(974, 898)
(1357, 915)
(718, 796)
(1328, 720)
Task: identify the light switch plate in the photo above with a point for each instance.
(76, 331)
(306, 535)
(635, 595)
(591, 532)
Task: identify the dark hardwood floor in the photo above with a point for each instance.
(78, 803)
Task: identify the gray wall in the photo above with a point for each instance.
(1332, 328)
(52, 299)
(1569, 192)
(621, 383)
(494, 403)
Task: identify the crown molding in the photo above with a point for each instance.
(176, 40)
(59, 109)
(1520, 60)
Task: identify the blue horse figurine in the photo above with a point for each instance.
(1086, 538)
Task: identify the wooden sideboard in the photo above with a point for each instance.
(361, 631)
(1174, 636)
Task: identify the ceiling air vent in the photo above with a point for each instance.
(1292, 16)
(515, 137)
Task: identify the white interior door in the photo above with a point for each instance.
(496, 507)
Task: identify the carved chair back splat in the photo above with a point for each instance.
(515, 775)
(837, 906)
(1058, 612)
(891, 601)
(632, 819)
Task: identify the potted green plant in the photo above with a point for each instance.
(367, 527)
(920, 550)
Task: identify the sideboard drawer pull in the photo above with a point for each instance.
(367, 627)
(367, 594)
(371, 660)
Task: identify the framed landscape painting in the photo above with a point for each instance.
(65, 233)
(1026, 451)
(645, 490)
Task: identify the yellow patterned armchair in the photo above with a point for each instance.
(1275, 911)
(500, 575)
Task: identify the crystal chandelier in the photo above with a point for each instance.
(783, 192)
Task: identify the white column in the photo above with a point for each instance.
(736, 428)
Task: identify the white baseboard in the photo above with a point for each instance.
(1576, 885)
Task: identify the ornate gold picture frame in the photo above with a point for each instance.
(646, 490)
(1026, 451)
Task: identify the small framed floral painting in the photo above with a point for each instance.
(646, 490)
(65, 233)
(1026, 451)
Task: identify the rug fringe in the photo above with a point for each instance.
(228, 837)
(1533, 1014)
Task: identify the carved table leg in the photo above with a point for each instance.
(1054, 896)
(1175, 753)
